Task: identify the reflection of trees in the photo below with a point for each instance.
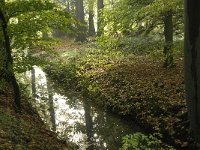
(40, 94)
(109, 130)
(43, 95)
(102, 130)
(105, 130)
(88, 125)
(51, 106)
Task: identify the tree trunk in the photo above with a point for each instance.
(168, 34)
(33, 83)
(100, 7)
(81, 36)
(8, 68)
(191, 64)
(91, 18)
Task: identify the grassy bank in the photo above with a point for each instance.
(131, 85)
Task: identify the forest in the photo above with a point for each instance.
(99, 74)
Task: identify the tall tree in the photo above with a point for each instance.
(168, 34)
(81, 36)
(100, 6)
(7, 68)
(191, 64)
(91, 18)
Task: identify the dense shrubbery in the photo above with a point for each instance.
(141, 45)
(136, 45)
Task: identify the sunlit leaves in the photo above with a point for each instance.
(18, 7)
(160, 7)
(28, 23)
(31, 26)
(129, 17)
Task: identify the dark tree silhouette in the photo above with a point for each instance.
(191, 64)
(81, 36)
(8, 65)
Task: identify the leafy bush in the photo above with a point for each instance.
(138, 45)
(143, 142)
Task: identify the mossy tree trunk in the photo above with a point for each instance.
(191, 64)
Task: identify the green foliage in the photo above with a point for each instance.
(28, 22)
(66, 74)
(138, 25)
(159, 7)
(158, 53)
(81, 64)
(120, 18)
(143, 142)
(136, 45)
(138, 17)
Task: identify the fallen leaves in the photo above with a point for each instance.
(137, 86)
(25, 130)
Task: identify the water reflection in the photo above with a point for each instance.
(76, 120)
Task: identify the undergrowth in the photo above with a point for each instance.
(129, 84)
(143, 142)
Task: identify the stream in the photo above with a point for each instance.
(75, 119)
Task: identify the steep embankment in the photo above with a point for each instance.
(24, 130)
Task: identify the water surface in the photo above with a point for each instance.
(77, 120)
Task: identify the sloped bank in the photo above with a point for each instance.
(25, 130)
(140, 89)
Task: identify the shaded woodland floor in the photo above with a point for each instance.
(25, 130)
